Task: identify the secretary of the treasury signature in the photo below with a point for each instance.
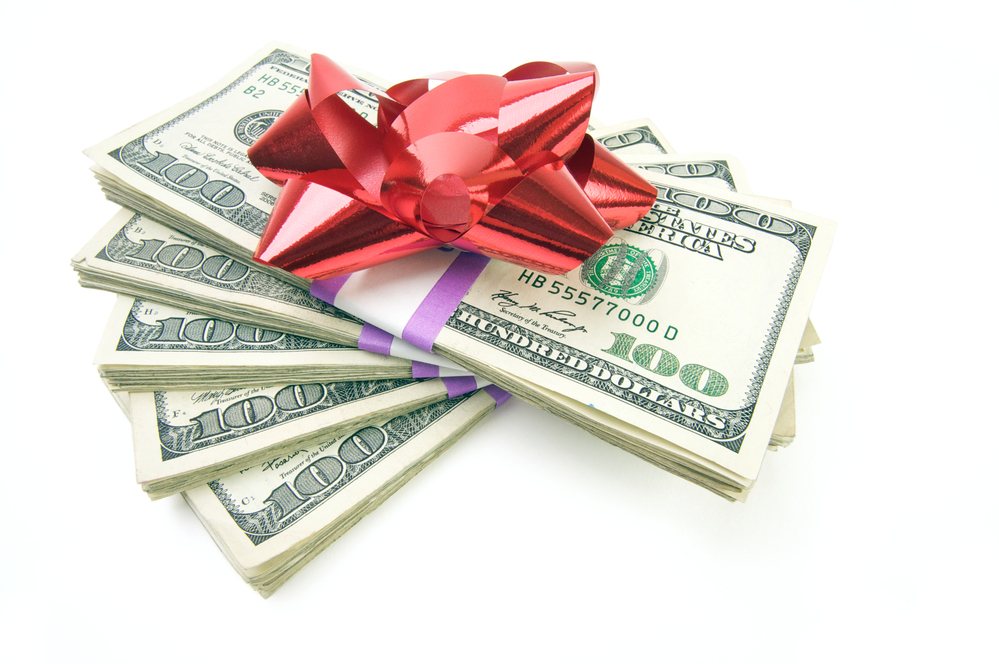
(505, 300)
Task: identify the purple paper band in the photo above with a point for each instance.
(498, 394)
(458, 385)
(430, 317)
(327, 289)
(424, 370)
(373, 338)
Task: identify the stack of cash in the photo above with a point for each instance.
(134, 255)
(675, 341)
(220, 401)
(323, 490)
(150, 346)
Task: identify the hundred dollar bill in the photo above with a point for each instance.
(185, 438)
(675, 340)
(272, 518)
(685, 326)
(150, 346)
(187, 166)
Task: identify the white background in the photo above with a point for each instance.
(872, 538)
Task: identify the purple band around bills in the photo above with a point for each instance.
(429, 319)
(327, 289)
(499, 395)
(458, 385)
(424, 370)
(374, 339)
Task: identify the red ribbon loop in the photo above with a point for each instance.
(501, 166)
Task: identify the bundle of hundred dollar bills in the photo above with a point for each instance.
(284, 417)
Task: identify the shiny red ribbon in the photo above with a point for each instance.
(501, 166)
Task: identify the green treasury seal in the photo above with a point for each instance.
(620, 270)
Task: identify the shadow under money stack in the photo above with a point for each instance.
(676, 341)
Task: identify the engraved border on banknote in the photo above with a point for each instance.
(777, 322)
(120, 249)
(265, 523)
(178, 441)
(137, 336)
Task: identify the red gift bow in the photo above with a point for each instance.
(501, 166)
